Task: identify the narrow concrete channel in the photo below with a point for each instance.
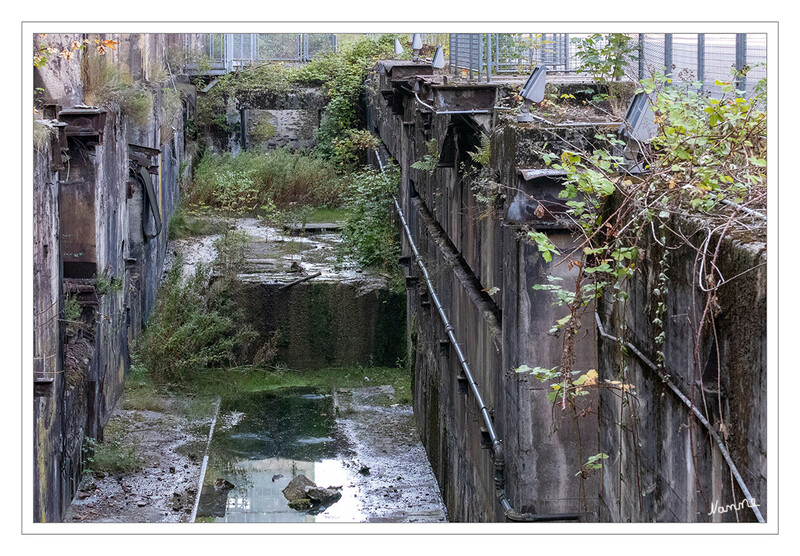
(359, 440)
(356, 441)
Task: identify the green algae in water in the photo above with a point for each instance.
(293, 423)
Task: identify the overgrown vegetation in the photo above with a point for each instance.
(191, 222)
(341, 74)
(196, 324)
(606, 58)
(707, 160)
(259, 379)
(251, 180)
(430, 159)
(42, 134)
(103, 83)
(115, 455)
(369, 234)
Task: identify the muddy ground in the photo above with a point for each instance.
(389, 478)
(164, 489)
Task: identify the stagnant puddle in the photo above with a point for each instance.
(355, 441)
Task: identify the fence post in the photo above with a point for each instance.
(227, 48)
(668, 54)
(450, 53)
(488, 57)
(641, 56)
(741, 63)
(472, 54)
(701, 61)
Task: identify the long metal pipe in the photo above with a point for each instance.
(700, 417)
(498, 456)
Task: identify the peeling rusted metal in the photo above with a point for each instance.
(448, 98)
(86, 122)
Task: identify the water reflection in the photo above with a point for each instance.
(260, 499)
(278, 437)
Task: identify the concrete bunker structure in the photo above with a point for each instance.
(483, 272)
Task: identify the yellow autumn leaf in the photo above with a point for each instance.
(672, 184)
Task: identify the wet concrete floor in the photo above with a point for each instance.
(357, 440)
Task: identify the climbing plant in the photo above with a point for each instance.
(707, 159)
(606, 58)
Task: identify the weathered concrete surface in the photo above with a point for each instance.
(471, 249)
(169, 445)
(50, 486)
(340, 316)
(260, 119)
(681, 472)
(400, 485)
(97, 246)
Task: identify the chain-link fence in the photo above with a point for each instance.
(702, 57)
(707, 58)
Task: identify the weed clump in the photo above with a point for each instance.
(103, 83)
(251, 180)
(196, 324)
(115, 455)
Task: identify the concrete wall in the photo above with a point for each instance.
(327, 324)
(470, 248)
(90, 246)
(673, 469)
(662, 465)
(261, 120)
(47, 362)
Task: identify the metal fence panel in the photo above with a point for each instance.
(686, 57)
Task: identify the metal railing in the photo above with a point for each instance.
(482, 56)
(218, 53)
(687, 57)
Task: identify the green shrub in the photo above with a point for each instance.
(369, 235)
(195, 325)
(342, 74)
(136, 103)
(111, 457)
